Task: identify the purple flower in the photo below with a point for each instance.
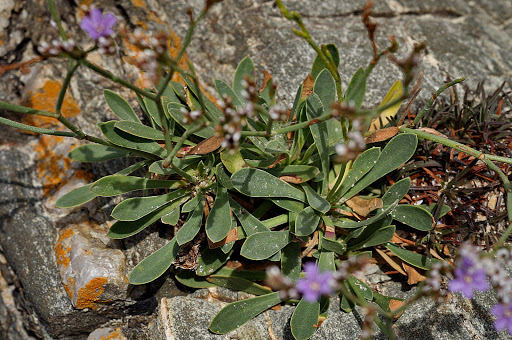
(314, 283)
(468, 277)
(97, 24)
(503, 313)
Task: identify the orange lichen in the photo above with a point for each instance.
(62, 252)
(70, 287)
(115, 335)
(88, 296)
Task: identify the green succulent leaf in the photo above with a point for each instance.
(336, 246)
(379, 232)
(90, 153)
(413, 216)
(153, 266)
(250, 224)
(300, 173)
(140, 130)
(116, 185)
(237, 313)
(238, 283)
(190, 279)
(258, 183)
(320, 132)
(261, 246)
(381, 213)
(361, 289)
(211, 260)
(126, 140)
(182, 163)
(172, 218)
(398, 151)
(244, 69)
(137, 207)
(288, 204)
(383, 301)
(316, 201)
(76, 197)
(397, 191)
(225, 91)
(223, 177)
(304, 319)
(363, 163)
(123, 229)
(412, 258)
(306, 222)
(120, 106)
(325, 88)
(356, 89)
(191, 228)
(291, 262)
(218, 222)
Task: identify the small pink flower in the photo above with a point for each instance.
(503, 314)
(97, 24)
(315, 283)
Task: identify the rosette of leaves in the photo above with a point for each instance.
(293, 177)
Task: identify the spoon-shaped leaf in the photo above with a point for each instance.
(153, 266)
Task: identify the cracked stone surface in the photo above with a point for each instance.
(464, 38)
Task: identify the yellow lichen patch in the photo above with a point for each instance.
(62, 252)
(115, 335)
(88, 296)
(70, 287)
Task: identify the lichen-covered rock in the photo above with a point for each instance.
(93, 273)
(107, 333)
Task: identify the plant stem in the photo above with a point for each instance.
(36, 129)
(118, 80)
(433, 98)
(27, 110)
(276, 221)
(56, 17)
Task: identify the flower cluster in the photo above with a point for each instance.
(235, 118)
(152, 52)
(56, 47)
(356, 144)
(314, 283)
(471, 273)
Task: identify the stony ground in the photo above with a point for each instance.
(54, 278)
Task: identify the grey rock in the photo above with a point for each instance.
(107, 333)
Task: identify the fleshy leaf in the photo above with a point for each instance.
(263, 245)
(190, 279)
(90, 153)
(76, 197)
(190, 229)
(410, 257)
(116, 185)
(237, 313)
(302, 173)
(258, 183)
(120, 106)
(356, 89)
(140, 130)
(319, 65)
(316, 201)
(218, 222)
(291, 262)
(304, 319)
(244, 69)
(306, 222)
(250, 224)
(237, 283)
(137, 207)
(413, 216)
(211, 260)
(397, 191)
(153, 266)
(398, 151)
(224, 90)
(172, 218)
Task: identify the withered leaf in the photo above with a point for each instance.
(308, 85)
(363, 206)
(232, 236)
(266, 78)
(432, 131)
(292, 179)
(382, 135)
(391, 262)
(395, 304)
(206, 146)
(413, 275)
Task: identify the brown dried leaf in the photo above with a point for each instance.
(308, 85)
(395, 304)
(413, 275)
(206, 146)
(362, 206)
(432, 131)
(181, 152)
(391, 262)
(278, 160)
(382, 135)
(292, 179)
(232, 236)
(266, 78)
